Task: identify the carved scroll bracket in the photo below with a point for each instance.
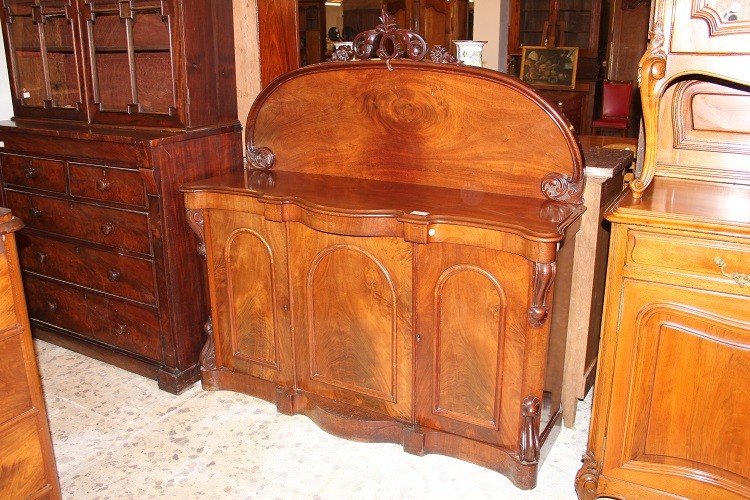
(260, 158)
(394, 42)
(195, 221)
(529, 441)
(208, 353)
(587, 478)
(651, 71)
(563, 188)
(542, 279)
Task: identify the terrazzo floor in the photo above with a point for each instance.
(116, 436)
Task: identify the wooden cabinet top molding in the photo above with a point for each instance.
(418, 123)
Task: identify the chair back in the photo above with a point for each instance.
(616, 99)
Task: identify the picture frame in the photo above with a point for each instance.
(549, 67)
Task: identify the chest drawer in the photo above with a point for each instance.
(688, 257)
(107, 184)
(106, 226)
(114, 323)
(128, 277)
(31, 172)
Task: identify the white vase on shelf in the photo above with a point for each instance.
(469, 52)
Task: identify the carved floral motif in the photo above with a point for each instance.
(440, 54)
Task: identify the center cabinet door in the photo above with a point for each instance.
(471, 326)
(352, 314)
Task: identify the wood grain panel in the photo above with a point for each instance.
(352, 300)
(15, 392)
(250, 286)
(23, 473)
(468, 345)
(352, 317)
(429, 117)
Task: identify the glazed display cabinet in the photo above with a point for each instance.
(117, 103)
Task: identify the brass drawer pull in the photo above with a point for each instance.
(35, 212)
(740, 279)
(41, 256)
(114, 275)
(121, 329)
(52, 305)
(30, 173)
(107, 228)
(102, 184)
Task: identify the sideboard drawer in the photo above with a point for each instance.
(36, 173)
(122, 325)
(704, 258)
(129, 277)
(107, 184)
(106, 226)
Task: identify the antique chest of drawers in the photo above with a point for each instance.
(103, 274)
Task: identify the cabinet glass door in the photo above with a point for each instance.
(44, 63)
(130, 48)
(576, 27)
(534, 20)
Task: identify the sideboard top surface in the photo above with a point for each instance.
(535, 219)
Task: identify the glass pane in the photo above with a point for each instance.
(534, 13)
(112, 73)
(575, 23)
(153, 62)
(58, 36)
(27, 57)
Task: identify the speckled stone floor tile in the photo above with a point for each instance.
(117, 436)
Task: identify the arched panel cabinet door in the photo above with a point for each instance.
(470, 334)
(353, 319)
(250, 310)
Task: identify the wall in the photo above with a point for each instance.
(491, 24)
(6, 105)
(246, 55)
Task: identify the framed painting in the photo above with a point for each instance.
(549, 67)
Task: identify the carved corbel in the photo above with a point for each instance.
(195, 221)
(651, 70)
(587, 478)
(529, 441)
(542, 279)
(208, 353)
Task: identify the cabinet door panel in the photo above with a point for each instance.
(352, 299)
(472, 323)
(710, 27)
(247, 264)
(669, 417)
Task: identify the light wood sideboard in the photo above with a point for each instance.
(27, 464)
(671, 402)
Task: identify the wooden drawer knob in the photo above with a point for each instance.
(102, 184)
(107, 228)
(52, 305)
(114, 275)
(121, 329)
(30, 173)
(35, 212)
(41, 256)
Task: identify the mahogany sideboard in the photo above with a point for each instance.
(27, 464)
(116, 104)
(670, 415)
(394, 278)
